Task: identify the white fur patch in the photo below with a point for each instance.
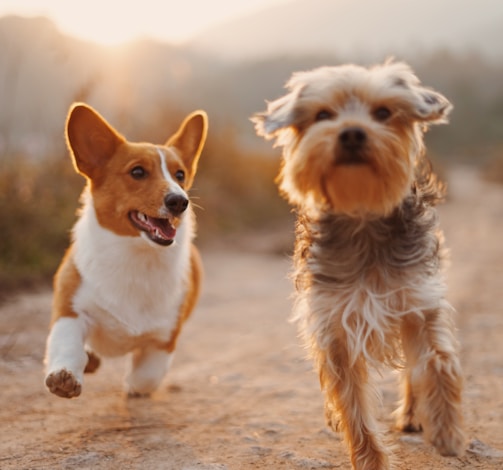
(173, 185)
(131, 291)
(149, 367)
(164, 167)
(65, 347)
(371, 319)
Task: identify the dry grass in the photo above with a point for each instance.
(235, 189)
(493, 168)
(37, 203)
(233, 192)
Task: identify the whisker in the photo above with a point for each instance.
(197, 206)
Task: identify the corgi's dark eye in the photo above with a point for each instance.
(180, 176)
(138, 172)
(382, 114)
(324, 115)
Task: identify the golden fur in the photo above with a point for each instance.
(132, 274)
(369, 252)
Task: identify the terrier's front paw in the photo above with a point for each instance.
(408, 423)
(332, 419)
(63, 384)
(450, 442)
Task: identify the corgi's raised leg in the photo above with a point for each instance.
(66, 358)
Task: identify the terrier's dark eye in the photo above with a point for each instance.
(382, 114)
(138, 173)
(180, 176)
(324, 115)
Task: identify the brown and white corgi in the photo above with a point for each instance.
(131, 276)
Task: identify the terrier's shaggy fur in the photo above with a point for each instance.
(369, 252)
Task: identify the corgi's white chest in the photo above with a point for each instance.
(131, 290)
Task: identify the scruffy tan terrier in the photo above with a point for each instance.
(369, 252)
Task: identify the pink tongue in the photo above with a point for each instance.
(162, 228)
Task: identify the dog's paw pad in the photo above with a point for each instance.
(63, 384)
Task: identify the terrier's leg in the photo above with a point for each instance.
(406, 420)
(350, 405)
(436, 380)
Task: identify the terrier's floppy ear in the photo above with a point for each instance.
(280, 114)
(90, 138)
(189, 139)
(430, 106)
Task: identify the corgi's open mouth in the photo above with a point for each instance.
(158, 230)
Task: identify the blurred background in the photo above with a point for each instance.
(145, 65)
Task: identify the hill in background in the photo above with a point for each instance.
(366, 29)
(230, 71)
(145, 88)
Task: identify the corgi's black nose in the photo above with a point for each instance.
(176, 203)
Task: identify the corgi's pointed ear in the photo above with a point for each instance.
(189, 139)
(90, 138)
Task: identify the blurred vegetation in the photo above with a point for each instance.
(145, 92)
(37, 207)
(234, 191)
(493, 168)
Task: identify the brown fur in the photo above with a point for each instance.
(66, 283)
(117, 285)
(369, 253)
(193, 290)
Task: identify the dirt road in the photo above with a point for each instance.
(240, 394)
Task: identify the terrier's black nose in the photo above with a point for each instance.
(352, 138)
(176, 203)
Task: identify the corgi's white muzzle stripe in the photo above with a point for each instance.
(174, 186)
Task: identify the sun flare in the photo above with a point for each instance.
(105, 23)
(113, 23)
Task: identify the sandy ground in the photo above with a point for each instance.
(241, 394)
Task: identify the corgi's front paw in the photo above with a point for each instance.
(63, 384)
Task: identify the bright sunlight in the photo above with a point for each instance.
(112, 22)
